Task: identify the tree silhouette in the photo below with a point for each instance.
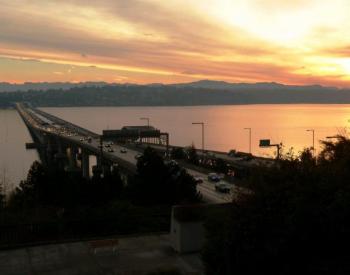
(296, 219)
(157, 182)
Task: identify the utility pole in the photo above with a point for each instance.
(313, 140)
(250, 139)
(145, 118)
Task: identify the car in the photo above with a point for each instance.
(138, 156)
(213, 177)
(123, 150)
(198, 179)
(110, 150)
(222, 187)
(107, 145)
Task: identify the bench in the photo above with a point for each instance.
(95, 245)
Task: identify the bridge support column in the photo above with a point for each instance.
(107, 169)
(99, 161)
(85, 164)
(72, 153)
(61, 156)
(49, 152)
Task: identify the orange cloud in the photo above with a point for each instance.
(163, 41)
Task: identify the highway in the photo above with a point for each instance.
(240, 161)
(123, 156)
(207, 188)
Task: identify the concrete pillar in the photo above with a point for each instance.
(60, 154)
(107, 169)
(49, 151)
(99, 161)
(72, 154)
(85, 164)
(72, 157)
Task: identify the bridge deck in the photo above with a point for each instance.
(48, 124)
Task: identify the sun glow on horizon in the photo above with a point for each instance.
(290, 41)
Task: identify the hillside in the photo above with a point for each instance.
(196, 93)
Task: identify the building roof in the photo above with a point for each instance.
(141, 128)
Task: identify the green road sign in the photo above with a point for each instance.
(264, 143)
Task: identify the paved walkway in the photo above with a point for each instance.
(134, 255)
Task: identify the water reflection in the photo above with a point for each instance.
(224, 128)
(224, 125)
(15, 160)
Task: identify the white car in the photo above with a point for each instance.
(198, 179)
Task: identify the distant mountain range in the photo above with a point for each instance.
(222, 85)
(44, 86)
(203, 92)
(205, 84)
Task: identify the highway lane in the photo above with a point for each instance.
(206, 189)
(243, 161)
(79, 137)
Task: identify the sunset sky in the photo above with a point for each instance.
(287, 41)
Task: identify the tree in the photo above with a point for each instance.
(220, 165)
(178, 153)
(296, 219)
(48, 186)
(160, 183)
(192, 155)
(2, 195)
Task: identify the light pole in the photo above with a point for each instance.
(313, 139)
(201, 123)
(250, 139)
(145, 118)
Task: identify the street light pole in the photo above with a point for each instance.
(250, 139)
(202, 124)
(313, 139)
(145, 118)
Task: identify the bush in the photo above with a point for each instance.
(296, 219)
(157, 182)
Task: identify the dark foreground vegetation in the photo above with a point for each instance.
(295, 220)
(55, 205)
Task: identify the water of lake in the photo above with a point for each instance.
(224, 127)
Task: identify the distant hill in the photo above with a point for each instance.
(44, 86)
(222, 85)
(204, 92)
